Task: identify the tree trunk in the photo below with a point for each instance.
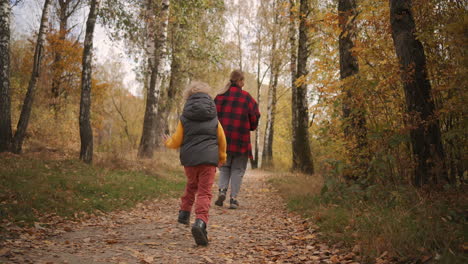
(5, 101)
(302, 156)
(28, 100)
(425, 136)
(86, 132)
(353, 112)
(254, 161)
(267, 154)
(148, 137)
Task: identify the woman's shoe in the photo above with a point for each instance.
(221, 197)
(233, 204)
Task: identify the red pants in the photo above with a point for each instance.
(199, 181)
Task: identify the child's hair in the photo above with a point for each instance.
(236, 75)
(196, 87)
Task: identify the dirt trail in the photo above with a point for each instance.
(260, 231)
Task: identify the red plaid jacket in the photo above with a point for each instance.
(238, 114)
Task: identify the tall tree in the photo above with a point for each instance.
(148, 137)
(5, 101)
(353, 112)
(86, 132)
(302, 155)
(425, 133)
(258, 51)
(275, 63)
(28, 100)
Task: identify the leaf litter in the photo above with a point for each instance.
(260, 231)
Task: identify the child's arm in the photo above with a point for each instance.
(221, 144)
(175, 141)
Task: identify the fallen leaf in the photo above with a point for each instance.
(208, 259)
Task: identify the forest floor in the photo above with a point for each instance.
(260, 231)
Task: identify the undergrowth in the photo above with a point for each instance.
(34, 186)
(407, 223)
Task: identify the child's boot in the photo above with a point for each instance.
(184, 217)
(199, 232)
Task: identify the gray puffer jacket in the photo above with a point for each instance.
(200, 121)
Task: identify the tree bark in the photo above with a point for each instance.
(148, 137)
(5, 101)
(353, 112)
(86, 132)
(28, 100)
(267, 154)
(302, 155)
(425, 133)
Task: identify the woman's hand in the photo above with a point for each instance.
(165, 137)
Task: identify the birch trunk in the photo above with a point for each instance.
(86, 132)
(353, 112)
(148, 137)
(28, 100)
(5, 101)
(267, 154)
(254, 161)
(302, 156)
(425, 136)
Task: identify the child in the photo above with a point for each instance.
(202, 148)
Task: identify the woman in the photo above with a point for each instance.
(238, 114)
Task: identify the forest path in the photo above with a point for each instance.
(260, 231)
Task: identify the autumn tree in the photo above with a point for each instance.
(86, 132)
(425, 133)
(302, 155)
(28, 100)
(64, 10)
(275, 61)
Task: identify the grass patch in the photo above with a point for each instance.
(407, 223)
(31, 187)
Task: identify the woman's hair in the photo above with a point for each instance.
(196, 87)
(236, 75)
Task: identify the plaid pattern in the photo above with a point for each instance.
(238, 114)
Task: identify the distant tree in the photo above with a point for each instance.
(64, 9)
(86, 132)
(28, 100)
(425, 133)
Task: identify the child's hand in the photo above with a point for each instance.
(165, 137)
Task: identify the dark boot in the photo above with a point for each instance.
(184, 217)
(221, 197)
(199, 232)
(233, 203)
